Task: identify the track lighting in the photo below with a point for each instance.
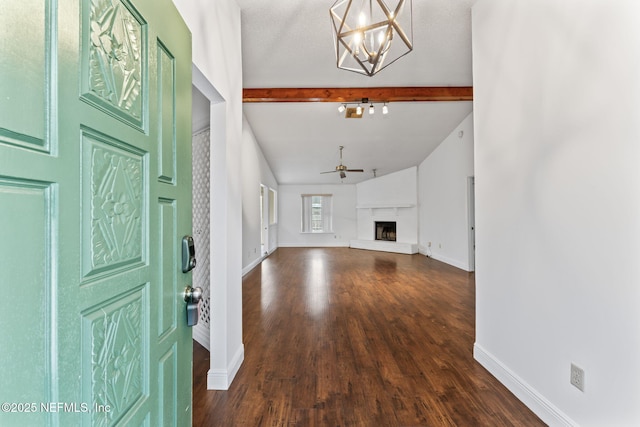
(357, 110)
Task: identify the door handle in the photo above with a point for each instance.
(192, 297)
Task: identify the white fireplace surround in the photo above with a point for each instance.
(404, 215)
(392, 197)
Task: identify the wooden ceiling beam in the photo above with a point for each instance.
(374, 94)
(352, 95)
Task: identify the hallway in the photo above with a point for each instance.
(347, 337)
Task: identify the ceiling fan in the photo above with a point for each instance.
(342, 168)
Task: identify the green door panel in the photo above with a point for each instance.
(25, 317)
(95, 196)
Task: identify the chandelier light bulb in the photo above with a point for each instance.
(362, 19)
(371, 109)
(381, 38)
(385, 109)
(359, 110)
(357, 38)
(341, 108)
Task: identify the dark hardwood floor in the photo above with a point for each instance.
(347, 337)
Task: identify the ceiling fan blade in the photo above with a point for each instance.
(355, 170)
(329, 172)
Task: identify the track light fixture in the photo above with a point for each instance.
(357, 110)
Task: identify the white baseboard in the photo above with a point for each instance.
(221, 379)
(454, 262)
(316, 245)
(527, 395)
(251, 266)
(385, 246)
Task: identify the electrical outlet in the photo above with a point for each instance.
(577, 377)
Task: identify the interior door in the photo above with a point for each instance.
(264, 221)
(95, 197)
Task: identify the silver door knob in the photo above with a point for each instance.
(192, 295)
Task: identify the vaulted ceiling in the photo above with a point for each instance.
(288, 44)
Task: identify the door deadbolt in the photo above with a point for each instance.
(188, 254)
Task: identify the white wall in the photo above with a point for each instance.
(442, 195)
(557, 155)
(392, 189)
(392, 197)
(290, 211)
(215, 27)
(255, 171)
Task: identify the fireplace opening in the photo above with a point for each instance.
(386, 230)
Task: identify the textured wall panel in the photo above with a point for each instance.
(114, 361)
(115, 204)
(114, 64)
(201, 228)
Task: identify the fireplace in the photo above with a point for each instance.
(385, 230)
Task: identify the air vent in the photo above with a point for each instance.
(352, 113)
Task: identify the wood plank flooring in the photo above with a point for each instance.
(348, 337)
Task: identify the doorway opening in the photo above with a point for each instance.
(208, 145)
(264, 221)
(471, 221)
(201, 209)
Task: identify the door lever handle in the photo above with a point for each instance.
(192, 297)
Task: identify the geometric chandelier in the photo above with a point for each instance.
(370, 35)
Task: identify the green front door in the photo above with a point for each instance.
(95, 197)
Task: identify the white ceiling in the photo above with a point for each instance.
(288, 43)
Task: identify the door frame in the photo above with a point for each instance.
(471, 222)
(264, 220)
(218, 374)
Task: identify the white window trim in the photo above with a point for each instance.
(327, 214)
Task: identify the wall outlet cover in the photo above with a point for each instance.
(577, 377)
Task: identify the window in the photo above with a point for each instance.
(316, 213)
